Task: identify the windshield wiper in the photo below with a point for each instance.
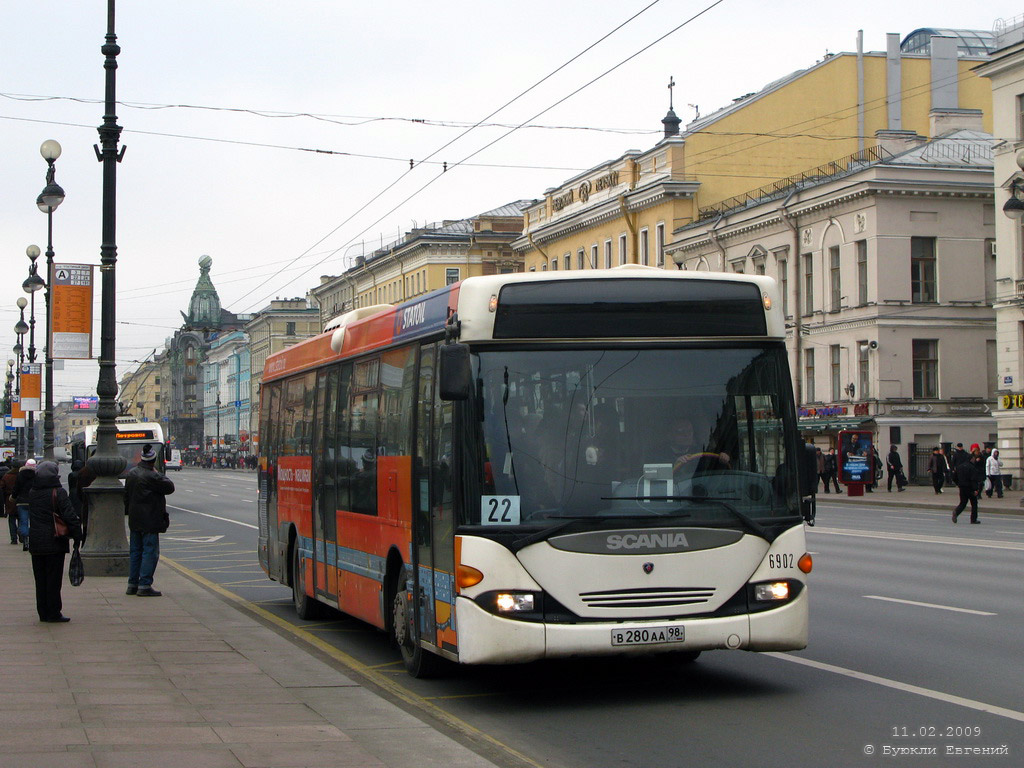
(723, 501)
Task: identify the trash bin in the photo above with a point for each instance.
(1007, 482)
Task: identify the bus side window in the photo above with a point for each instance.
(344, 465)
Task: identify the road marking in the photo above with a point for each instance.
(249, 501)
(189, 490)
(931, 605)
(366, 672)
(919, 539)
(196, 539)
(214, 517)
(906, 687)
(217, 495)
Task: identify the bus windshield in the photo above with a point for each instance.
(693, 436)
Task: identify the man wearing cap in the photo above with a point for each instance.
(145, 503)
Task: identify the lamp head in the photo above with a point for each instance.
(22, 302)
(51, 196)
(21, 327)
(1014, 207)
(50, 150)
(33, 283)
(33, 252)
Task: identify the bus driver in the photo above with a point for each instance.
(681, 447)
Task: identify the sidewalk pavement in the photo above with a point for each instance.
(925, 497)
(185, 680)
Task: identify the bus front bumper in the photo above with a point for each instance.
(484, 638)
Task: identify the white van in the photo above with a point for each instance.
(174, 461)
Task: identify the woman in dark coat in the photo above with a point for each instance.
(47, 549)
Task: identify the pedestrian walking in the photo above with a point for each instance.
(10, 509)
(937, 468)
(894, 468)
(22, 489)
(994, 472)
(968, 476)
(832, 470)
(48, 501)
(822, 474)
(145, 503)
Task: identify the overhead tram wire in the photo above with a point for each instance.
(413, 165)
(513, 130)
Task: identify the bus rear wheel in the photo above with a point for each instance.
(418, 662)
(305, 606)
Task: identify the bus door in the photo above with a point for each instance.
(434, 523)
(325, 489)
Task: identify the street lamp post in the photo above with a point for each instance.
(8, 391)
(31, 285)
(20, 328)
(216, 447)
(106, 548)
(47, 202)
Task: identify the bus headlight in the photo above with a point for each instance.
(513, 602)
(772, 592)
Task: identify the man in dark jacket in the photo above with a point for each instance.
(45, 499)
(969, 475)
(10, 511)
(894, 468)
(958, 457)
(145, 503)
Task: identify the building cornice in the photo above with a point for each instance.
(650, 194)
(771, 214)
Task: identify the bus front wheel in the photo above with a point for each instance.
(305, 606)
(418, 662)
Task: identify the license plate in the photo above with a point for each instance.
(647, 636)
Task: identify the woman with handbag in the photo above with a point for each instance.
(52, 521)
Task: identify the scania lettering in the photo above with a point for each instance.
(488, 473)
(634, 541)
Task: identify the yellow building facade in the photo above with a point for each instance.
(623, 210)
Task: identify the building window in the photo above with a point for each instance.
(834, 278)
(580, 256)
(784, 285)
(1020, 117)
(808, 375)
(922, 270)
(836, 374)
(659, 244)
(451, 275)
(554, 263)
(926, 368)
(863, 377)
(862, 272)
(289, 329)
(808, 283)
(593, 256)
(567, 260)
(607, 254)
(645, 248)
(543, 266)
(622, 249)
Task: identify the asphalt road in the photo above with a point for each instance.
(916, 644)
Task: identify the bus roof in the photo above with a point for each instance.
(427, 315)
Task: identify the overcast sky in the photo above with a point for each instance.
(222, 102)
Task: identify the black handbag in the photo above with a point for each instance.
(76, 571)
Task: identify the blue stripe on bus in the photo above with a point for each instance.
(419, 318)
(344, 558)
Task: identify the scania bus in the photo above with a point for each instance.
(542, 465)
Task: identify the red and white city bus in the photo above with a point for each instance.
(529, 466)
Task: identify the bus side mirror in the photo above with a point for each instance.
(456, 375)
(807, 470)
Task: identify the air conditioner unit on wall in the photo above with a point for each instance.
(992, 248)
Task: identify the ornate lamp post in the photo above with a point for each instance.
(106, 548)
(48, 200)
(8, 389)
(21, 329)
(31, 285)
